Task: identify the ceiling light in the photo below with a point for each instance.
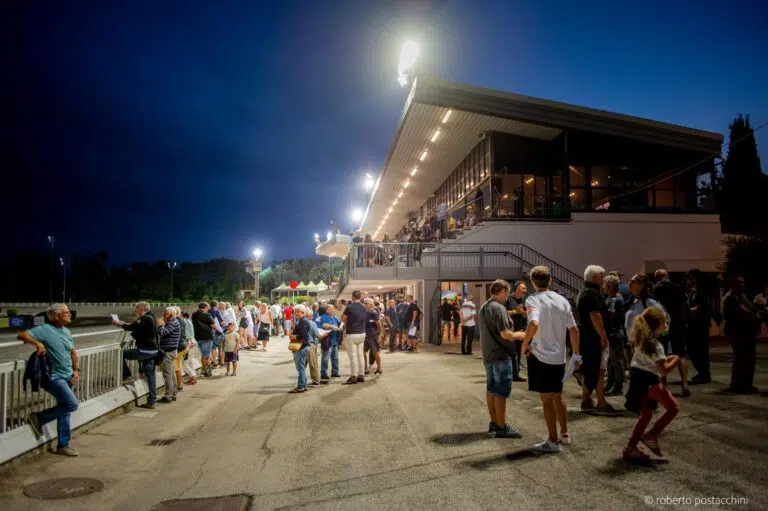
(407, 183)
(437, 134)
(595, 182)
(414, 171)
(390, 210)
(529, 181)
(506, 196)
(423, 155)
(400, 194)
(394, 203)
(466, 187)
(447, 116)
(572, 194)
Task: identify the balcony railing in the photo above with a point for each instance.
(486, 260)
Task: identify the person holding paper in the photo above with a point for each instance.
(412, 318)
(549, 319)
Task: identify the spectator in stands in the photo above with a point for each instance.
(54, 340)
(144, 332)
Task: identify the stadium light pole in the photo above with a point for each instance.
(64, 287)
(256, 269)
(52, 269)
(172, 267)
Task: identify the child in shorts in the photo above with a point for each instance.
(230, 343)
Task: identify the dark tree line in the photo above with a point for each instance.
(25, 277)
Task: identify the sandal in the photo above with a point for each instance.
(297, 391)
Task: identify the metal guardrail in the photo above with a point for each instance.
(93, 304)
(456, 256)
(101, 369)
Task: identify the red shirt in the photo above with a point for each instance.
(288, 313)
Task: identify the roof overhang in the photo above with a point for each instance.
(474, 112)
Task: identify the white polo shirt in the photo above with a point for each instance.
(553, 314)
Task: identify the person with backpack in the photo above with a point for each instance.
(144, 332)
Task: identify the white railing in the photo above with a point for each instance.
(101, 370)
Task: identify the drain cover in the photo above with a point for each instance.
(64, 488)
(223, 503)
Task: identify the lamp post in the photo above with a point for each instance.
(172, 267)
(254, 269)
(64, 287)
(52, 269)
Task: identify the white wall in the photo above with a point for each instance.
(629, 243)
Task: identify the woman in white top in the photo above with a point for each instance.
(646, 388)
(264, 326)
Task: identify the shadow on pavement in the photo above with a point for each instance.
(460, 438)
(620, 467)
(513, 456)
(348, 390)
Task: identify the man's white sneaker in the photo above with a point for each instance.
(547, 446)
(565, 439)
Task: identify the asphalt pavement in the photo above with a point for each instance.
(412, 438)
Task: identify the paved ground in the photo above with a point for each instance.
(410, 439)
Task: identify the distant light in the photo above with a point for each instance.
(256, 253)
(328, 234)
(423, 155)
(447, 116)
(414, 171)
(437, 134)
(408, 55)
(357, 214)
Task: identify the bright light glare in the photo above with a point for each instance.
(257, 253)
(408, 55)
(437, 134)
(447, 116)
(400, 194)
(423, 156)
(414, 171)
(369, 182)
(407, 183)
(357, 214)
(328, 234)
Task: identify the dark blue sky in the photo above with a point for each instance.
(200, 129)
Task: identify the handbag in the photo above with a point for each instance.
(295, 345)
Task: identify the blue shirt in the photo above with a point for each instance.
(327, 319)
(314, 333)
(58, 344)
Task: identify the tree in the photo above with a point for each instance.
(743, 185)
(746, 256)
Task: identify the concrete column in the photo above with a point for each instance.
(429, 300)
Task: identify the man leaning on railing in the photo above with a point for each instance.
(54, 341)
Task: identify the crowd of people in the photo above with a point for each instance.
(617, 334)
(636, 334)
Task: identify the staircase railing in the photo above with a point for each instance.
(456, 255)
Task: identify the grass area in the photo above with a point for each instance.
(3, 322)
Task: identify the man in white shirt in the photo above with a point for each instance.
(468, 312)
(549, 318)
(276, 318)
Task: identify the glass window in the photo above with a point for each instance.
(600, 175)
(578, 176)
(665, 199)
(600, 198)
(578, 199)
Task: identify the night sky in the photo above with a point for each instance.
(200, 129)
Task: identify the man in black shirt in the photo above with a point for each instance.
(203, 324)
(742, 325)
(446, 314)
(592, 318)
(144, 332)
(517, 312)
(672, 297)
(700, 318)
(412, 320)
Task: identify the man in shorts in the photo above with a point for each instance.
(549, 319)
(402, 327)
(203, 324)
(497, 340)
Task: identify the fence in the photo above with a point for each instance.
(452, 258)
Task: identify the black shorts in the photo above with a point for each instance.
(674, 344)
(371, 342)
(230, 356)
(545, 378)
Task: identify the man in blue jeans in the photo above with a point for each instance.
(330, 345)
(497, 338)
(54, 341)
(144, 332)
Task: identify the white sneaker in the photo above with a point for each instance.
(565, 439)
(547, 446)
